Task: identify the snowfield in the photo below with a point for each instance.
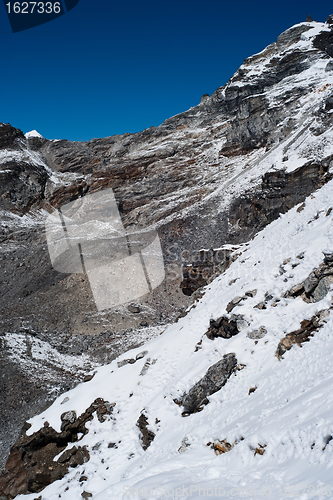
(287, 415)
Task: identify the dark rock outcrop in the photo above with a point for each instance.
(147, 436)
(222, 327)
(215, 378)
(9, 136)
(31, 466)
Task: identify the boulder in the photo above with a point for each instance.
(214, 379)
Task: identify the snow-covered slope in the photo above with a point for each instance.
(288, 416)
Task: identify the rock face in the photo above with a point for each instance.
(31, 465)
(211, 176)
(215, 378)
(9, 136)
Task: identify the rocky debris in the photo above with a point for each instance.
(31, 466)
(131, 361)
(147, 436)
(214, 379)
(86, 495)
(206, 265)
(257, 334)
(221, 447)
(303, 334)
(147, 365)
(226, 327)
(185, 444)
(317, 285)
(258, 450)
(233, 303)
(252, 389)
(222, 327)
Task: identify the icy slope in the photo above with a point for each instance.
(288, 415)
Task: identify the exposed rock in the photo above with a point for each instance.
(207, 264)
(233, 303)
(257, 334)
(260, 305)
(31, 464)
(322, 288)
(222, 327)
(258, 450)
(147, 436)
(221, 447)
(86, 495)
(131, 361)
(317, 285)
(324, 42)
(215, 378)
(303, 334)
(183, 447)
(9, 136)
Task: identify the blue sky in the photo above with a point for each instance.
(110, 67)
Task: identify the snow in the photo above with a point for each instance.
(290, 411)
(33, 133)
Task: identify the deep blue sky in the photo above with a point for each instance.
(109, 67)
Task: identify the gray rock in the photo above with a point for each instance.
(328, 257)
(260, 305)
(241, 324)
(123, 362)
(310, 283)
(145, 367)
(185, 444)
(322, 289)
(257, 334)
(215, 378)
(69, 416)
(141, 355)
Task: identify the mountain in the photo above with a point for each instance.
(239, 189)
